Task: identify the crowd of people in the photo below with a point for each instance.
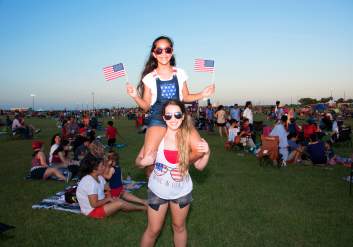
(172, 143)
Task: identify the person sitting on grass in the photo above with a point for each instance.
(40, 168)
(82, 150)
(246, 135)
(233, 132)
(60, 159)
(316, 150)
(333, 159)
(90, 191)
(113, 174)
(295, 149)
(280, 131)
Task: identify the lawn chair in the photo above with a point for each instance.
(344, 135)
(269, 151)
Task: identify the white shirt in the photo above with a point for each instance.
(248, 114)
(166, 181)
(150, 81)
(16, 124)
(232, 133)
(281, 132)
(52, 150)
(89, 186)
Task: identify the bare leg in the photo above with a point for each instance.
(179, 224)
(132, 198)
(118, 204)
(153, 138)
(53, 172)
(155, 224)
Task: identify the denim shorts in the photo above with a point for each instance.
(156, 122)
(154, 201)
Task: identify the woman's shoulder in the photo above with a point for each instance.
(181, 74)
(150, 77)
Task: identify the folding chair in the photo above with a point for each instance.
(269, 151)
(344, 135)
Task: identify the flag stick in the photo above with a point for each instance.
(126, 74)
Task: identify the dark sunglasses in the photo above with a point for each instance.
(177, 115)
(167, 50)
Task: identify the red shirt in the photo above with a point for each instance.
(110, 132)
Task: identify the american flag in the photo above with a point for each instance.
(160, 169)
(113, 72)
(203, 65)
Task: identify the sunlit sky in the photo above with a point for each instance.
(263, 50)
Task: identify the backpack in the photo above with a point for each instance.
(70, 195)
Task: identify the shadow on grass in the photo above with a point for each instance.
(199, 177)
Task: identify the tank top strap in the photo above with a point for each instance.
(175, 70)
(154, 74)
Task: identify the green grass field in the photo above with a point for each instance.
(236, 202)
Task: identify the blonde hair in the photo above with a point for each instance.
(182, 136)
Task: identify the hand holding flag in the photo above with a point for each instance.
(131, 90)
(208, 91)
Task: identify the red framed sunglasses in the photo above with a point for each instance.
(167, 50)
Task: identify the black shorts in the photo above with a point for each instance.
(155, 201)
(221, 124)
(111, 142)
(38, 173)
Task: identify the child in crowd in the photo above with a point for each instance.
(113, 174)
(245, 135)
(295, 150)
(90, 191)
(333, 159)
(233, 131)
(111, 133)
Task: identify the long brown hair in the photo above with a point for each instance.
(182, 136)
(152, 63)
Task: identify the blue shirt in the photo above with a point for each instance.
(235, 114)
(281, 132)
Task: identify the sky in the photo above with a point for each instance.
(263, 50)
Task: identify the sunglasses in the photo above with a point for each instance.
(167, 50)
(177, 115)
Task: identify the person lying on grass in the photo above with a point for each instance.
(90, 191)
(40, 168)
(113, 174)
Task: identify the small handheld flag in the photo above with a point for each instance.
(114, 71)
(203, 65)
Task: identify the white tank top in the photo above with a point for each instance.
(166, 181)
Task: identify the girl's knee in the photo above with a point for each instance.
(153, 231)
(178, 228)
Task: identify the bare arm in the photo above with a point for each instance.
(63, 158)
(202, 147)
(148, 159)
(95, 203)
(108, 173)
(145, 102)
(187, 97)
(43, 160)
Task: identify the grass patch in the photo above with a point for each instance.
(236, 202)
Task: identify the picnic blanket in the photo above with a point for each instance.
(57, 202)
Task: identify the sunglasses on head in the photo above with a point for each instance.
(167, 50)
(177, 115)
